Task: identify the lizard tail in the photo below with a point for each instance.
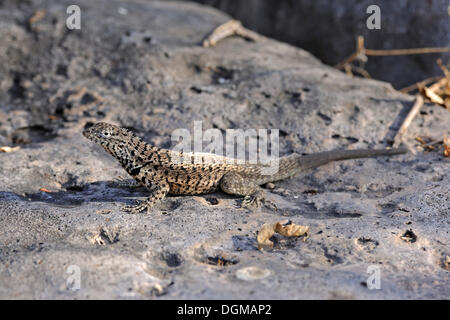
(321, 158)
(294, 164)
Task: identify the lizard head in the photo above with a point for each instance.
(119, 142)
(106, 135)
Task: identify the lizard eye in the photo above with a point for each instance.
(103, 135)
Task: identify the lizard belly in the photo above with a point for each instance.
(193, 184)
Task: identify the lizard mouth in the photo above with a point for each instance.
(90, 130)
(89, 134)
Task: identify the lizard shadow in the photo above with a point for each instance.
(76, 195)
(100, 191)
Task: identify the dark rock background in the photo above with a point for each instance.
(139, 64)
(329, 29)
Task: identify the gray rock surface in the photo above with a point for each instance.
(329, 29)
(139, 64)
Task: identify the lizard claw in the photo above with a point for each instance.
(253, 201)
(250, 202)
(141, 206)
(270, 204)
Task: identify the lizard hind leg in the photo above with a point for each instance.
(158, 193)
(254, 195)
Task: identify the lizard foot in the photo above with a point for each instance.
(250, 202)
(253, 201)
(270, 204)
(141, 206)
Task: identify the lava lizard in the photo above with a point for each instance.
(198, 173)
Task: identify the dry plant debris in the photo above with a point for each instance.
(446, 146)
(433, 96)
(430, 145)
(435, 89)
(439, 93)
(98, 239)
(287, 229)
(409, 236)
(9, 149)
(447, 263)
(103, 211)
(361, 56)
(398, 139)
(228, 29)
(439, 90)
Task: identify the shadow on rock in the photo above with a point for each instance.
(76, 195)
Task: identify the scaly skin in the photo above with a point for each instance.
(165, 171)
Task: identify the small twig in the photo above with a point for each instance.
(430, 94)
(419, 85)
(228, 29)
(398, 139)
(401, 52)
(346, 61)
(432, 143)
(428, 145)
(358, 55)
(362, 53)
(348, 69)
(362, 72)
(439, 84)
(438, 92)
(443, 68)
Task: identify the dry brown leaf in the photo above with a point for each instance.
(267, 231)
(287, 230)
(291, 230)
(9, 149)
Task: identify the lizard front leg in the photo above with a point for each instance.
(158, 192)
(254, 195)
